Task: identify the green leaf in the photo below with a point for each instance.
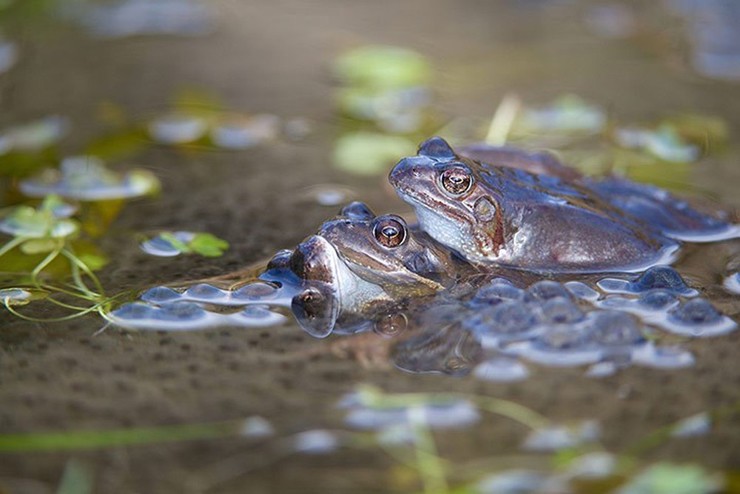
(383, 67)
(367, 153)
(208, 245)
(39, 246)
(667, 478)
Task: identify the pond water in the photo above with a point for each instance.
(257, 404)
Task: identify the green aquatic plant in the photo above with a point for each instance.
(44, 246)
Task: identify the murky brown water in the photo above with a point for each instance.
(274, 57)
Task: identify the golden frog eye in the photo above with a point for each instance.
(390, 231)
(456, 180)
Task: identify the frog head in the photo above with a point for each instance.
(450, 200)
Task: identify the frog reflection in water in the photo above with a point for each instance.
(546, 222)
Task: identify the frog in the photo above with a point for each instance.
(358, 263)
(506, 214)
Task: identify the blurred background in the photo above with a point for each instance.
(244, 125)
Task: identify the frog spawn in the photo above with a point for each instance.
(256, 304)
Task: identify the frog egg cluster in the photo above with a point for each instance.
(572, 324)
(200, 306)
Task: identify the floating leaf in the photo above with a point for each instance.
(169, 244)
(86, 178)
(34, 136)
(568, 114)
(28, 222)
(367, 153)
(208, 245)
(664, 143)
(383, 67)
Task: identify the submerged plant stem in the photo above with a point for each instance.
(61, 441)
(429, 463)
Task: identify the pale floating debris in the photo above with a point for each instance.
(329, 194)
(34, 136)
(501, 369)
(148, 17)
(316, 442)
(666, 357)
(521, 482)
(178, 128)
(559, 437)
(696, 425)
(8, 55)
(396, 434)
(732, 283)
(612, 21)
(568, 114)
(238, 132)
(602, 369)
(86, 178)
(664, 143)
(256, 427)
(593, 466)
(449, 414)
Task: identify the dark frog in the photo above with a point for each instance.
(358, 262)
(544, 220)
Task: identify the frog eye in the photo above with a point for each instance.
(390, 231)
(456, 180)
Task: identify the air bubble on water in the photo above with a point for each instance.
(501, 369)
